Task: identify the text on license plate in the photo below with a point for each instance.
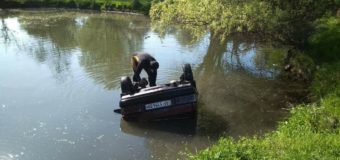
(156, 105)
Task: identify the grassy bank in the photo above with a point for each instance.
(313, 130)
(107, 5)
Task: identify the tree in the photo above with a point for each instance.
(136, 4)
(289, 21)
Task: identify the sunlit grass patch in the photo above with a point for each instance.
(312, 132)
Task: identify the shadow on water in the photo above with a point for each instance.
(166, 139)
(211, 124)
(237, 94)
(202, 125)
(179, 126)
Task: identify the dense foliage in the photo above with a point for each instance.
(288, 21)
(324, 44)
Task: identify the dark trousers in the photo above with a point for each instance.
(152, 78)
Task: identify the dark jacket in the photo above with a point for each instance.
(144, 61)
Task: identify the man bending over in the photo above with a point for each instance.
(144, 61)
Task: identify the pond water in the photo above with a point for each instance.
(59, 83)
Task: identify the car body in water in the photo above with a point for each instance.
(176, 99)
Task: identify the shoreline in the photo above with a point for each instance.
(54, 9)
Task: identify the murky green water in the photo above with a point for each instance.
(59, 82)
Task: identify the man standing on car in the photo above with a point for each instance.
(144, 61)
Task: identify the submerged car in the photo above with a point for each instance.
(178, 98)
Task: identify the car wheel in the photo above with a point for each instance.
(126, 85)
(187, 73)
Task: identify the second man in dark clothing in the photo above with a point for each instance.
(144, 61)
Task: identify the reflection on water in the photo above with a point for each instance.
(59, 82)
(106, 44)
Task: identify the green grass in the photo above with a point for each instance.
(327, 80)
(312, 132)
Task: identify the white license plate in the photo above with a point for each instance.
(156, 105)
